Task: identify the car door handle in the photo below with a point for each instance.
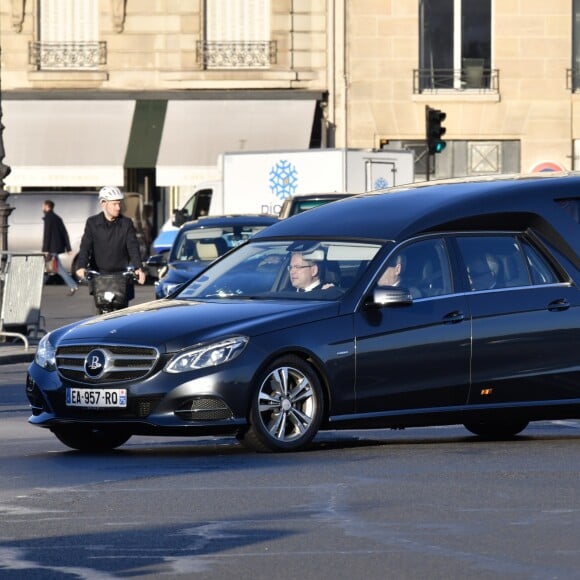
(454, 317)
(560, 304)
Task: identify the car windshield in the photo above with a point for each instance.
(209, 243)
(321, 270)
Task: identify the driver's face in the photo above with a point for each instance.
(302, 272)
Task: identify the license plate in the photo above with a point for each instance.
(96, 398)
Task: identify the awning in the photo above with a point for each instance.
(66, 143)
(196, 132)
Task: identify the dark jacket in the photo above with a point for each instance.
(109, 247)
(55, 239)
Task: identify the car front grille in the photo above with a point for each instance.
(124, 363)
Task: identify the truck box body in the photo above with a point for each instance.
(260, 182)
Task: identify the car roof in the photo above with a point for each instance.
(230, 220)
(329, 195)
(507, 202)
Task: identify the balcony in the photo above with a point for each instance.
(472, 78)
(230, 55)
(67, 55)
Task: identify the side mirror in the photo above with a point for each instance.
(390, 296)
(156, 261)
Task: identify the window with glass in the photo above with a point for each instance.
(455, 45)
(237, 35)
(290, 269)
(503, 261)
(68, 36)
(421, 267)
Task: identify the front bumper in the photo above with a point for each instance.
(163, 403)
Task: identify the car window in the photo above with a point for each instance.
(492, 262)
(207, 244)
(422, 267)
(541, 271)
(273, 269)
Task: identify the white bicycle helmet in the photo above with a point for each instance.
(110, 193)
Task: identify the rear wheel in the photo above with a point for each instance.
(287, 407)
(91, 439)
(497, 429)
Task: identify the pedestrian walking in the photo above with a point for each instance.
(56, 241)
(109, 245)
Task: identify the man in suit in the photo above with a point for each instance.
(56, 241)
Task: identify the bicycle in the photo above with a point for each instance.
(111, 291)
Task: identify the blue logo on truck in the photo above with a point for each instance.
(283, 179)
(381, 183)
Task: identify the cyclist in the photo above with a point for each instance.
(109, 244)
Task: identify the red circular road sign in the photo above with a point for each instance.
(547, 166)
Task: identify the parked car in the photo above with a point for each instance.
(438, 303)
(200, 242)
(299, 203)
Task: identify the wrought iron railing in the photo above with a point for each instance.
(470, 79)
(236, 54)
(67, 55)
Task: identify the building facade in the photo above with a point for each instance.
(146, 94)
(505, 72)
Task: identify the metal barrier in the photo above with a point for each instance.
(22, 279)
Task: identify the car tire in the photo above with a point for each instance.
(287, 407)
(90, 439)
(496, 429)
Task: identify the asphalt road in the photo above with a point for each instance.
(422, 503)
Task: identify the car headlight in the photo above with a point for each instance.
(45, 356)
(209, 355)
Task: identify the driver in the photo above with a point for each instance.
(305, 272)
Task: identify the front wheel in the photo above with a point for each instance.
(91, 439)
(287, 407)
(496, 429)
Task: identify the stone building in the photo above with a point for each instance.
(147, 93)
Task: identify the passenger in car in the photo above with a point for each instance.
(482, 274)
(305, 272)
(393, 275)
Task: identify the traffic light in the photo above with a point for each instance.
(434, 130)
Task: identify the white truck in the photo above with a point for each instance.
(259, 182)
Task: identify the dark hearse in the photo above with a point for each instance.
(430, 304)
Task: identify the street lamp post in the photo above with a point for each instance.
(5, 209)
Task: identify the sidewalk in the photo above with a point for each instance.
(58, 309)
